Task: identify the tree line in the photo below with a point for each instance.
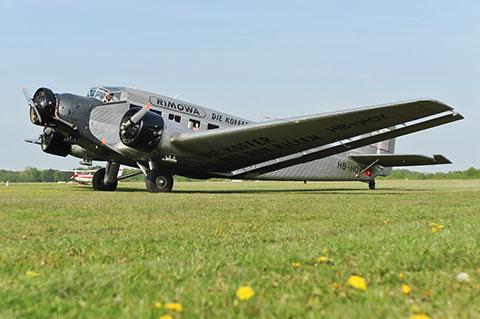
(32, 174)
(471, 173)
(35, 175)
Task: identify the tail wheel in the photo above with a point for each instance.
(371, 184)
(99, 184)
(159, 181)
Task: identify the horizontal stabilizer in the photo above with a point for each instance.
(390, 160)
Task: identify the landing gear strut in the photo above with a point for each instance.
(106, 179)
(159, 181)
(371, 184)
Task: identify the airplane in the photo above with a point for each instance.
(85, 177)
(164, 136)
(82, 177)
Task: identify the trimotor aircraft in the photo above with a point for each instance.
(165, 136)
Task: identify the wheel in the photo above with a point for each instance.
(159, 181)
(98, 182)
(371, 184)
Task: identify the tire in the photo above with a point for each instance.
(371, 184)
(159, 181)
(98, 182)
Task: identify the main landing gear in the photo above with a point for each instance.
(105, 179)
(159, 181)
(371, 184)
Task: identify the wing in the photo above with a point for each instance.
(390, 160)
(224, 150)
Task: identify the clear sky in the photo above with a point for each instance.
(250, 58)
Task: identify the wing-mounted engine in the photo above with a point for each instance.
(53, 142)
(141, 129)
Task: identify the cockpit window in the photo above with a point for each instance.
(104, 95)
(100, 95)
(91, 93)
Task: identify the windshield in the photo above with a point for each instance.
(103, 94)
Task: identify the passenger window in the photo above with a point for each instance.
(176, 118)
(211, 126)
(194, 125)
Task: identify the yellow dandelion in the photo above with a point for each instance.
(401, 276)
(174, 306)
(406, 289)
(158, 305)
(325, 251)
(436, 227)
(420, 316)
(245, 293)
(357, 282)
(296, 264)
(165, 317)
(334, 285)
(31, 274)
(323, 260)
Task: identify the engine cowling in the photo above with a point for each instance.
(43, 109)
(54, 143)
(143, 135)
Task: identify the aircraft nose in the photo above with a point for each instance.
(42, 106)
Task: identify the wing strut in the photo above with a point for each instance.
(367, 168)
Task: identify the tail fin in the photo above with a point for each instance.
(385, 147)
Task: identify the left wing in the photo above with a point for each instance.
(225, 150)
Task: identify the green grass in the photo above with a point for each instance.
(101, 255)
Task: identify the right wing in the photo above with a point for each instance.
(225, 150)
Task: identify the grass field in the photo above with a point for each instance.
(66, 251)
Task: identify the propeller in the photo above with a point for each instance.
(42, 105)
(137, 117)
(34, 113)
(130, 128)
(40, 139)
(27, 94)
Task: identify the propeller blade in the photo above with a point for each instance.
(27, 94)
(29, 98)
(137, 117)
(34, 108)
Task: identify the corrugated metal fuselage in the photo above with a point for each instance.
(180, 116)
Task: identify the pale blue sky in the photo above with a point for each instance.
(250, 58)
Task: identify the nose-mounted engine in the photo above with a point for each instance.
(141, 129)
(42, 106)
